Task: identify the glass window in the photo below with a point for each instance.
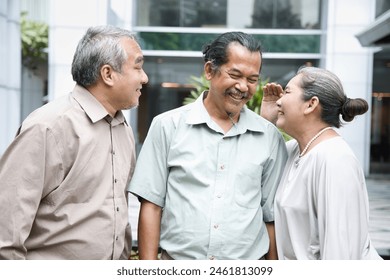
(182, 13)
(282, 14)
(380, 115)
(286, 14)
(194, 41)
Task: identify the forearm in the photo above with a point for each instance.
(149, 230)
(272, 253)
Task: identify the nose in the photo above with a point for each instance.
(242, 85)
(145, 78)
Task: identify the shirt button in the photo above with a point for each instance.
(113, 152)
(222, 167)
(215, 226)
(115, 180)
(116, 238)
(117, 209)
(212, 258)
(219, 195)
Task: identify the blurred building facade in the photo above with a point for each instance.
(332, 34)
(10, 71)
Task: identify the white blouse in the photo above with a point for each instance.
(321, 206)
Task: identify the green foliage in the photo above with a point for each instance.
(201, 84)
(254, 103)
(290, 43)
(174, 41)
(34, 42)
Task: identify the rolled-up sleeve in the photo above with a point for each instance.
(151, 172)
(272, 173)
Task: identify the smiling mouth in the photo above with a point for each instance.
(237, 95)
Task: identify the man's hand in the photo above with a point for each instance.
(271, 93)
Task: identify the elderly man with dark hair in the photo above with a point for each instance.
(208, 171)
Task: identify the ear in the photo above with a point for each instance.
(107, 74)
(208, 70)
(312, 105)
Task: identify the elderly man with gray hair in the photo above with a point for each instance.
(63, 179)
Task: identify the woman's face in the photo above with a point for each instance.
(292, 106)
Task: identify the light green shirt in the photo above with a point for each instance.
(216, 189)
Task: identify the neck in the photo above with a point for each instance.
(100, 96)
(314, 138)
(225, 123)
(225, 120)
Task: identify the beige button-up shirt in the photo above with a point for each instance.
(63, 181)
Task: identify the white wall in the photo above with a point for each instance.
(10, 71)
(352, 64)
(68, 24)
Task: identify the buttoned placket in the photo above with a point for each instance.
(115, 189)
(222, 172)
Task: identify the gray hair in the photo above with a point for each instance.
(329, 90)
(99, 46)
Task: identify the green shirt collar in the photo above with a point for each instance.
(248, 119)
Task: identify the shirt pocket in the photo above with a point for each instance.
(247, 185)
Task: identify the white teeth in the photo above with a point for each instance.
(236, 95)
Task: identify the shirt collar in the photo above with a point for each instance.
(198, 115)
(93, 108)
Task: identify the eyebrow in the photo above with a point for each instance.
(139, 59)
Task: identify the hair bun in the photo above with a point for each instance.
(353, 107)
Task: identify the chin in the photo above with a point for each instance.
(131, 106)
(279, 124)
(235, 107)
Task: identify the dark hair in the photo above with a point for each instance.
(216, 51)
(100, 45)
(329, 90)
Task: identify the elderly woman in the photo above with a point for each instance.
(321, 206)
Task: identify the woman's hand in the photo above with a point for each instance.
(271, 93)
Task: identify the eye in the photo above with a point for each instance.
(234, 76)
(253, 81)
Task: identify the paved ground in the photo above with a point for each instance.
(379, 195)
